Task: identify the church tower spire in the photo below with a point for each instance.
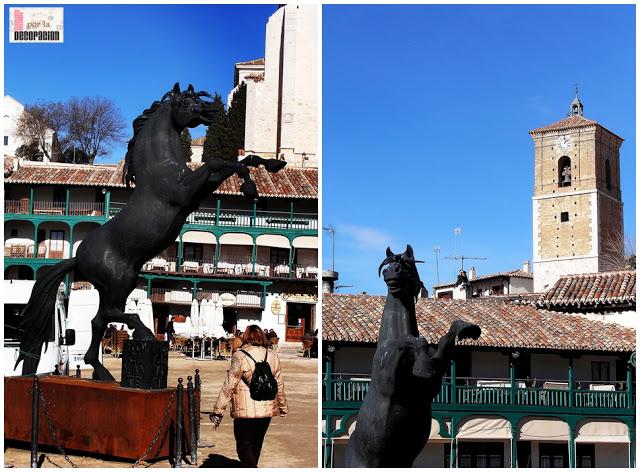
(576, 106)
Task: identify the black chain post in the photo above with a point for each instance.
(78, 374)
(197, 385)
(192, 421)
(35, 411)
(179, 419)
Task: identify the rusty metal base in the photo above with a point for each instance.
(100, 418)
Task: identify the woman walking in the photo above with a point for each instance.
(251, 417)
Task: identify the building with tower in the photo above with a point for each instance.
(577, 201)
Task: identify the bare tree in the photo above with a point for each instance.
(618, 251)
(94, 125)
(35, 126)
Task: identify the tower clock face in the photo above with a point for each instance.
(563, 142)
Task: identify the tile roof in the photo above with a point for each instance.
(255, 77)
(571, 122)
(8, 165)
(512, 273)
(356, 318)
(588, 290)
(255, 62)
(288, 183)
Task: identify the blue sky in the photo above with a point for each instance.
(133, 54)
(426, 114)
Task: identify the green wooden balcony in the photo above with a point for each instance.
(346, 391)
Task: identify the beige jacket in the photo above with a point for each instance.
(235, 388)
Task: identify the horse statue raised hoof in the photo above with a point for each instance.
(166, 192)
(394, 421)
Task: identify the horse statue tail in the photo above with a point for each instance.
(37, 315)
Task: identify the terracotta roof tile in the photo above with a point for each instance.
(586, 290)
(255, 62)
(512, 273)
(574, 121)
(288, 183)
(8, 165)
(356, 318)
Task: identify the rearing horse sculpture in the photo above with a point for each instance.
(394, 420)
(166, 192)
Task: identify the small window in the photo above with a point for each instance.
(564, 216)
(6, 140)
(607, 173)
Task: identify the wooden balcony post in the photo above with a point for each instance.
(31, 195)
(71, 241)
(253, 213)
(66, 201)
(453, 459)
(512, 379)
(217, 214)
(572, 447)
(570, 379)
(180, 252)
(216, 255)
(254, 252)
(632, 445)
(107, 203)
(327, 382)
(291, 215)
(149, 288)
(454, 395)
(291, 253)
(630, 368)
(514, 446)
(35, 242)
(195, 289)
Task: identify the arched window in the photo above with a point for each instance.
(564, 172)
(607, 173)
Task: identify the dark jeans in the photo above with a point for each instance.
(249, 434)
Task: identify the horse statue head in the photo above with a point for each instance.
(188, 109)
(401, 274)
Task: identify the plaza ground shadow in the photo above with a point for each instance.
(217, 460)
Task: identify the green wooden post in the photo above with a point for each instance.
(216, 255)
(291, 252)
(572, 447)
(107, 203)
(71, 241)
(570, 379)
(149, 289)
(453, 459)
(454, 393)
(31, 196)
(217, 212)
(180, 252)
(291, 215)
(35, 241)
(254, 253)
(264, 295)
(327, 383)
(327, 444)
(630, 367)
(512, 379)
(632, 441)
(66, 202)
(67, 289)
(195, 290)
(253, 213)
(514, 447)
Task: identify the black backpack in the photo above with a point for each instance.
(263, 384)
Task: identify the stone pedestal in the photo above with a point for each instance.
(145, 364)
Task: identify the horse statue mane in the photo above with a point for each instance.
(394, 421)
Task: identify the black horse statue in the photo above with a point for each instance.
(166, 192)
(394, 421)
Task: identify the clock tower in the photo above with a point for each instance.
(577, 203)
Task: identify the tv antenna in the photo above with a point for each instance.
(462, 259)
(331, 229)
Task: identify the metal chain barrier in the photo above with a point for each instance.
(52, 432)
(157, 436)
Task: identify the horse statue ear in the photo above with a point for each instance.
(409, 251)
(190, 89)
(176, 87)
(389, 252)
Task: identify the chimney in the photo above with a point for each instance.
(329, 278)
(526, 267)
(472, 273)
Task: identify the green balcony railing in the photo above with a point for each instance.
(350, 388)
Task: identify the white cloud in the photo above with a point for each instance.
(364, 237)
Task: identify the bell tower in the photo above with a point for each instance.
(577, 202)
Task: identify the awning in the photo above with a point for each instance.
(602, 431)
(198, 237)
(434, 434)
(306, 242)
(272, 240)
(544, 429)
(485, 427)
(242, 239)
